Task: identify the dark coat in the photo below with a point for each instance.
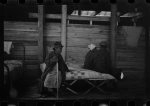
(50, 65)
(98, 60)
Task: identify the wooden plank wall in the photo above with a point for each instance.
(130, 57)
(23, 35)
(52, 34)
(78, 37)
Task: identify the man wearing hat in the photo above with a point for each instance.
(99, 59)
(49, 76)
(89, 57)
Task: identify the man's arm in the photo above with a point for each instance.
(51, 59)
(64, 64)
(50, 62)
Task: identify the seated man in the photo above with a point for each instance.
(98, 59)
(49, 76)
(89, 56)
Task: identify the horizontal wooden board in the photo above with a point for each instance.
(52, 38)
(134, 55)
(49, 43)
(24, 43)
(26, 48)
(77, 49)
(20, 26)
(18, 38)
(21, 33)
(53, 26)
(27, 57)
(31, 62)
(128, 63)
(26, 52)
(133, 59)
(88, 26)
(89, 32)
(134, 68)
(76, 54)
(86, 35)
(52, 33)
(33, 67)
(82, 42)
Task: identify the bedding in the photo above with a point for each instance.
(14, 68)
(12, 64)
(77, 72)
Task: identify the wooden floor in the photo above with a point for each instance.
(133, 86)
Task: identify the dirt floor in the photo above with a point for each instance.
(132, 86)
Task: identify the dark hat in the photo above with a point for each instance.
(58, 44)
(103, 44)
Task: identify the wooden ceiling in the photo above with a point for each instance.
(21, 11)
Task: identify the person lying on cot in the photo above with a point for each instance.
(49, 76)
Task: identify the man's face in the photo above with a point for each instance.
(58, 50)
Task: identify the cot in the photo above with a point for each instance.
(77, 73)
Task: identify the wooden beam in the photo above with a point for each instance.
(147, 61)
(2, 58)
(71, 17)
(113, 34)
(41, 31)
(147, 49)
(64, 30)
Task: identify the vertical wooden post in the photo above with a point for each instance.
(40, 31)
(147, 61)
(64, 30)
(147, 49)
(113, 34)
(2, 49)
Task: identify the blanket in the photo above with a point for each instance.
(77, 72)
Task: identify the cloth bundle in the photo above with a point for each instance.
(7, 46)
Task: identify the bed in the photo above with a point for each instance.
(95, 79)
(12, 68)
